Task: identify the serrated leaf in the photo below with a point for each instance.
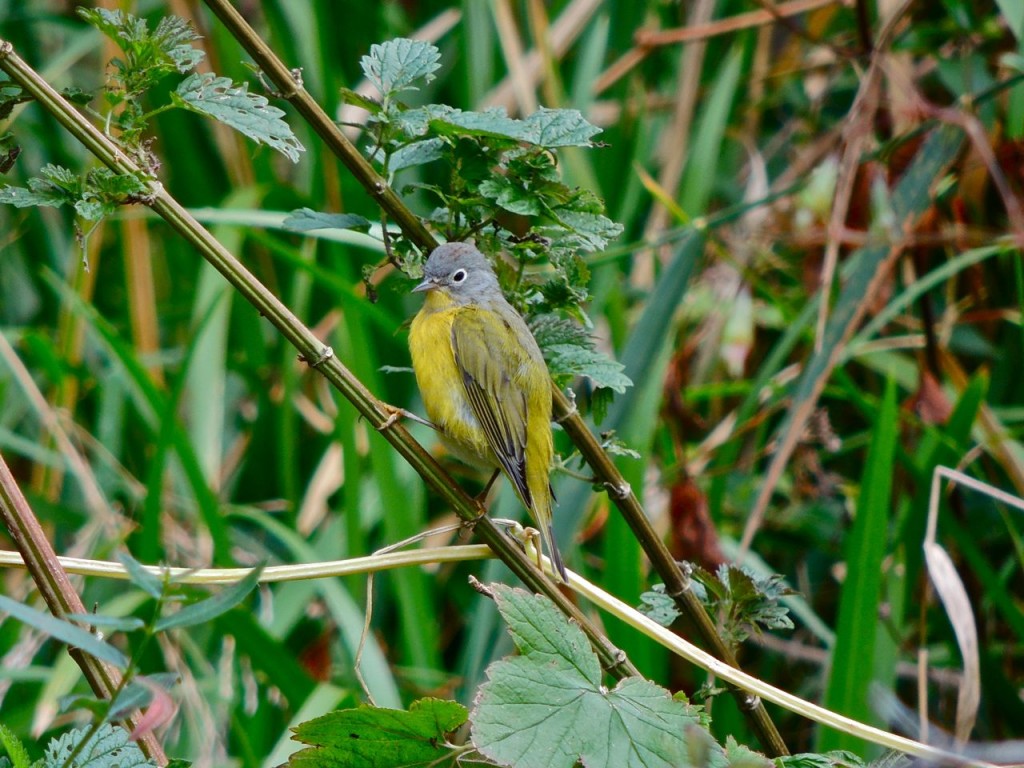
(212, 607)
(168, 48)
(547, 708)
(573, 360)
(64, 631)
(20, 197)
(174, 37)
(551, 330)
(306, 220)
(248, 113)
(740, 756)
(372, 737)
(417, 153)
(109, 747)
(589, 231)
(493, 122)
(659, 607)
(15, 749)
(396, 65)
(613, 446)
(547, 128)
(834, 759)
(510, 196)
(554, 128)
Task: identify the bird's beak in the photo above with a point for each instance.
(427, 285)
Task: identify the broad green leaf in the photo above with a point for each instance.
(212, 607)
(547, 708)
(306, 219)
(397, 64)
(64, 631)
(249, 113)
(372, 737)
(109, 747)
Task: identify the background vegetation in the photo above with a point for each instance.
(144, 406)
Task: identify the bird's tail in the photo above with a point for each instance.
(547, 535)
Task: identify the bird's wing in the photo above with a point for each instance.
(491, 359)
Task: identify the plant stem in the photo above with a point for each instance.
(55, 586)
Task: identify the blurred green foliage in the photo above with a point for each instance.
(144, 406)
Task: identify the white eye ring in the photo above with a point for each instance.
(458, 276)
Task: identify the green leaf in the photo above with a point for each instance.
(140, 577)
(548, 128)
(854, 657)
(64, 631)
(590, 231)
(20, 197)
(148, 55)
(306, 219)
(212, 607)
(249, 113)
(740, 756)
(371, 737)
(139, 693)
(511, 196)
(745, 601)
(116, 623)
(398, 64)
(554, 128)
(174, 37)
(14, 748)
(596, 366)
(659, 607)
(109, 747)
(417, 153)
(359, 100)
(835, 759)
(547, 708)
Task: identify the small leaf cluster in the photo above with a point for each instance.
(564, 715)
(501, 188)
(148, 57)
(151, 55)
(741, 602)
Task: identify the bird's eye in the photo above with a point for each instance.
(458, 276)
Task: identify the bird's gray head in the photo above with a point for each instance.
(460, 271)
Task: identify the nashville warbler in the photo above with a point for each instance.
(483, 379)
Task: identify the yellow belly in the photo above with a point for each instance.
(440, 383)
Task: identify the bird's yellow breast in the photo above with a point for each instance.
(440, 381)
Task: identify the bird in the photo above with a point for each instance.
(483, 379)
